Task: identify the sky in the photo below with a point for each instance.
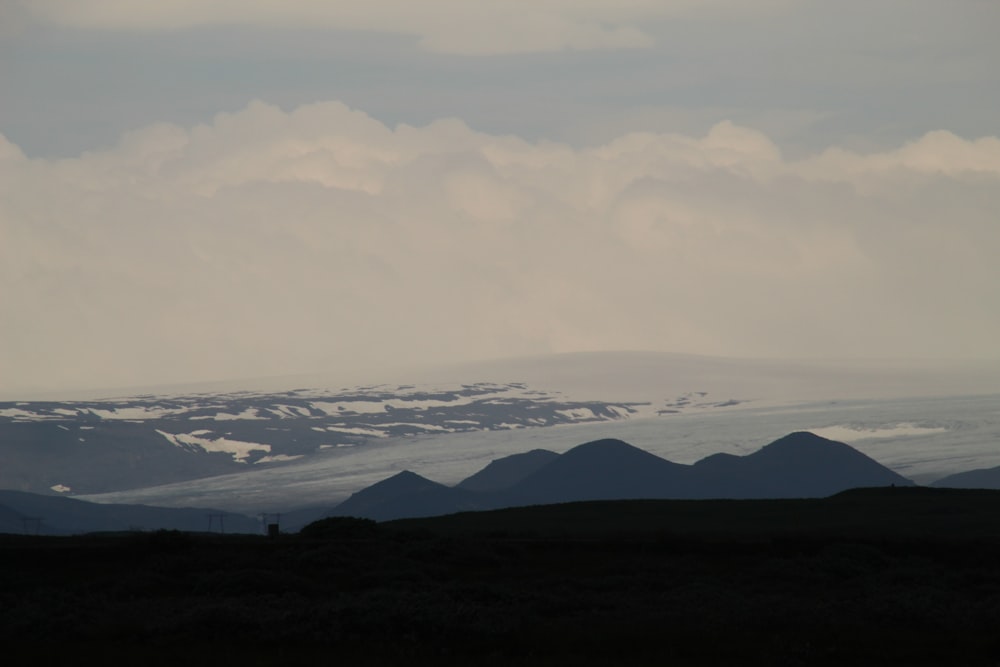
(219, 189)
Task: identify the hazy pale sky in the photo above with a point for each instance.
(211, 189)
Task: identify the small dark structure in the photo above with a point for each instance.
(271, 523)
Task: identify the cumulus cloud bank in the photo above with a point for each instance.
(272, 242)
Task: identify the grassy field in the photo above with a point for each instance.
(888, 576)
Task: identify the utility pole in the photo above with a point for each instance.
(221, 516)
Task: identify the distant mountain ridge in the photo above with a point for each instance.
(980, 478)
(101, 446)
(600, 470)
(507, 471)
(404, 494)
(176, 446)
(799, 465)
(36, 514)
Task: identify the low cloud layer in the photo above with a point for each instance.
(444, 26)
(273, 242)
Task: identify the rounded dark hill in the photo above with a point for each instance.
(406, 494)
(799, 465)
(600, 470)
(507, 471)
(719, 462)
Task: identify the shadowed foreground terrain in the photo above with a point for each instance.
(876, 576)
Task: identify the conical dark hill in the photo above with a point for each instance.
(507, 471)
(406, 495)
(799, 465)
(601, 470)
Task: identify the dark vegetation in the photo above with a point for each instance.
(871, 576)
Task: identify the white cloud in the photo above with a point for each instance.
(938, 152)
(272, 242)
(447, 26)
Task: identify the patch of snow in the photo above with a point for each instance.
(247, 414)
(18, 413)
(851, 433)
(139, 413)
(65, 428)
(239, 449)
(356, 430)
(277, 458)
(425, 427)
(406, 404)
(60, 488)
(290, 411)
(66, 412)
(578, 414)
(423, 404)
(340, 407)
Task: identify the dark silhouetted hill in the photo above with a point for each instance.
(600, 470)
(507, 471)
(799, 465)
(981, 478)
(407, 494)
